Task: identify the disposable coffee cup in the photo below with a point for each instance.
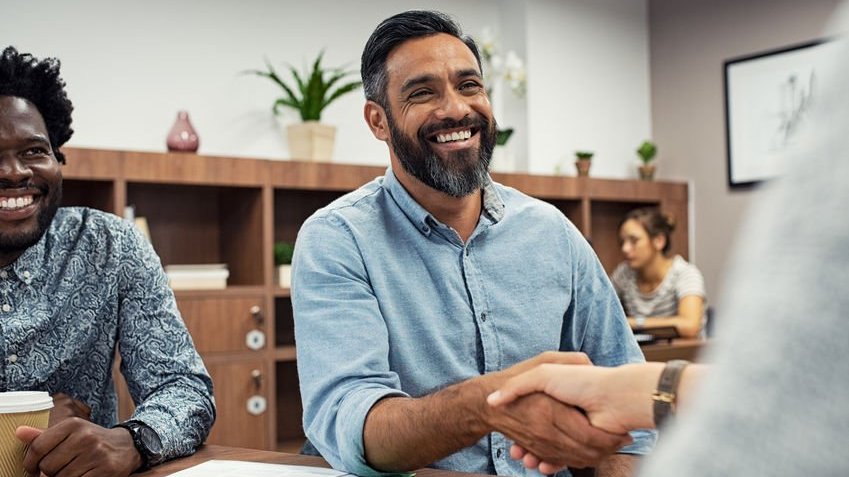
(20, 408)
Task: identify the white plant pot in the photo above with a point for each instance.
(311, 141)
(284, 276)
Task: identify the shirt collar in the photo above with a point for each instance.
(493, 206)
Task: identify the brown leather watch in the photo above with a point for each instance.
(666, 394)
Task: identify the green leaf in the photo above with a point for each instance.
(315, 88)
(341, 91)
(502, 136)
(283, 252)
(647, 151)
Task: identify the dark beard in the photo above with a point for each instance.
(13, 243)
(460, 174)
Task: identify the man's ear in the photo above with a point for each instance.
(376, 119)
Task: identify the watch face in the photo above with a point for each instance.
(151, 440)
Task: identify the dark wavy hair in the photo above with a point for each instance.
(38, 81)
(396, 30)
(655, 222)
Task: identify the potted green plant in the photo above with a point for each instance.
(583, 162)
(647, 151)
(309, 92)
(283, 252)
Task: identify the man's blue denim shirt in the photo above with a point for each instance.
(388, 301)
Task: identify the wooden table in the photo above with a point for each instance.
(206, 453)
(679, 348)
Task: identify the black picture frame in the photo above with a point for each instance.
(767, 97)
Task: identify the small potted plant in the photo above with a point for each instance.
(309, 93)
(283, 252)
(583, 162)
(647, 151)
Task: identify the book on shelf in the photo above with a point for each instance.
(212, 276)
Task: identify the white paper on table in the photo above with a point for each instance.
(236, 468)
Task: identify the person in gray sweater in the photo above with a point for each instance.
(773, 400)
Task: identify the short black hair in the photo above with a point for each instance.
(38, 81)
(396, 30)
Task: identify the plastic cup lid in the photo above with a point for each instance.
(24, 401)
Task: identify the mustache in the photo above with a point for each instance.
(6, 184)
(476, 121)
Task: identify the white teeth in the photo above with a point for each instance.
(455, 136)
(12, 203)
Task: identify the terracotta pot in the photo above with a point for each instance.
(311, 141)
(583, 166)
(647, 172)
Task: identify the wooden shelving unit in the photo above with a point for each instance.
(204, 209)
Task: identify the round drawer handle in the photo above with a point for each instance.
(256, 405)
(255, 340)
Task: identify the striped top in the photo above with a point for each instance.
(682, 279)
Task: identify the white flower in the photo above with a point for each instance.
(487, 43)
(510, 69)
(514, 73)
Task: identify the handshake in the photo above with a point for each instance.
(560, 410)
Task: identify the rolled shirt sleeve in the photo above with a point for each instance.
(165, 375)
(343, 343)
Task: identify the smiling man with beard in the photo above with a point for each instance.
(420, 293)
(76, 285)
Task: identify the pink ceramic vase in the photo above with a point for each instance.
(182, 137)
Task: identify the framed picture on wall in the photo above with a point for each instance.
(768, 97)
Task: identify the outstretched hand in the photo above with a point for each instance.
(615, 399)
(553, 430)
(556, 432)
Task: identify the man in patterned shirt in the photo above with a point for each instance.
(75, 285)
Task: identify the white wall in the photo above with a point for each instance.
(690, 40)
(588, 84)
(130, 65)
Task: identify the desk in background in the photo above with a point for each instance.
(678, 348)
(206, 453)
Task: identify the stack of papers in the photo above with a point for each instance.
(235, 468)
(211, 276)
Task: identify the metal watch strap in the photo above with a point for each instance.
(666, 393)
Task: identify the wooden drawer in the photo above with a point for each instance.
(239, 422)
(224, 324)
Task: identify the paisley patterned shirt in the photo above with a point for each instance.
(92, 285)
